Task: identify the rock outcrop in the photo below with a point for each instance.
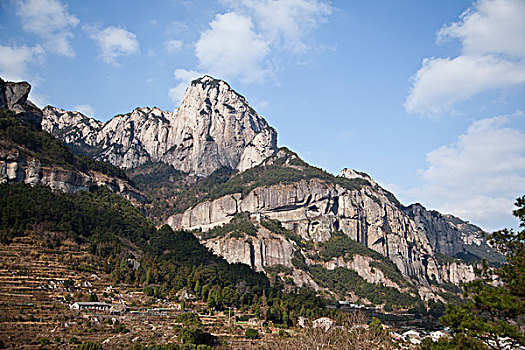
(14, 97)
(266, 249)
(14, 167)
(442, 236)
(214, 127)
(72, 128)
(361, 265)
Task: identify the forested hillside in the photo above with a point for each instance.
(169, 260)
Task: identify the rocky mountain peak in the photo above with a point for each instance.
(353, 174)
(78, 126)
(214, 127)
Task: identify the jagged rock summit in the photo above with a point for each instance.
(214, 127)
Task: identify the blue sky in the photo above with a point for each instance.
(425, 96)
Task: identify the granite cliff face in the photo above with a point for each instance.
(72, 128)
(316, 209)
(214, 127)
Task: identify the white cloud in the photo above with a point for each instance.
(479, 176)
(490, 26)
(183, 77)
(492, 33)
(239, 43)
(14, 61)
(50, 20)
(85, 109)
(114, 42)
(231, 49)
(287, 21)
(173, 46)
(442, 82)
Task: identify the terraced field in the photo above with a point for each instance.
(38, 285)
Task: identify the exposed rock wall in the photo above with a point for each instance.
(18, 165)
(315, 209)
(361, 265)
(266, 249)
(442, 236)
(214, 127)
(15, 168)
(71, 127)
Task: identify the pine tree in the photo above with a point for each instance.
(495, 310)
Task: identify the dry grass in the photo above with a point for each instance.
(354, 334)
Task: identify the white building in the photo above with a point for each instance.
(90, 305)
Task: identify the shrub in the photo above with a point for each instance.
(251, 334)
(189, 319)
(197, 336)
(89, 346)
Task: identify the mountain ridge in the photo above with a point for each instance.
(215, 128)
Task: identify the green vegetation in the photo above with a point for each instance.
(189, 319)
(170, 260)
(30, 140)
(251, 333)
(154, 175)
(196, 336)
(170, 191)
(342, 245)
(237, 227)
(275, 226)
(492, 313)
(459, 342)
(276, 269)
(285, 170)
(299, 261)
(169, 346)
(343, 281)
(89, 346)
